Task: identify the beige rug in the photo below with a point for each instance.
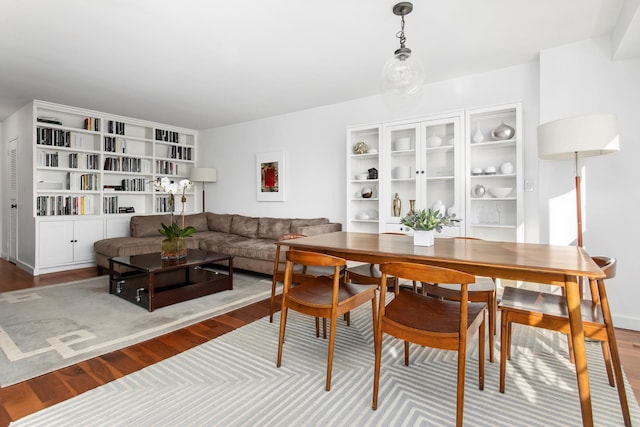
(47, 328)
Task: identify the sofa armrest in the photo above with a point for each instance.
(313, 230)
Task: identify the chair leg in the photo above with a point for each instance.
(492, 325)
(504, 348)
(406, 353)
(317, 327)
(272, 302)
(324, 328)
(283, 324)
(481, 342)
(332, 338)
(462, 360)
(607, 362)
(377, 344)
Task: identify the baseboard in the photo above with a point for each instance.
(626, 322)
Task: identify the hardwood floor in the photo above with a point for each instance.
(22, 399)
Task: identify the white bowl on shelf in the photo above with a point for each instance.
(402, 144)
(372, 151)
(401, 172)
(499, 192)
(362, 176)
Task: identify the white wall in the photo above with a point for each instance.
(314, 142)
(581, 78)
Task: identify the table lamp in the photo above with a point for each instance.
(203, 175)
(582, 136)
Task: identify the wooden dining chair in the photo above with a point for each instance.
(431, 322)
(549, 311)
(322, 296)
(482, 290)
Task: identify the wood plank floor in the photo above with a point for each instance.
(22, 399)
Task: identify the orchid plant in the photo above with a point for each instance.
(173, 230)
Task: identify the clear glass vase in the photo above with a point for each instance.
(174, 248)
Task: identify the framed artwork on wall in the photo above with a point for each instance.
(270, 174)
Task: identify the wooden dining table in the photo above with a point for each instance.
(528, 262)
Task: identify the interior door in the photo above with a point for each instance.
(12, 243)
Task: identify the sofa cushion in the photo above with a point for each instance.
(197, 221)
(147, 225)
(273, 228)
(263, 249)
(219, 222)
(244, 226)
(298, 223)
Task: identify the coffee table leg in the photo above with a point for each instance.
(579, 351)
(152, 278)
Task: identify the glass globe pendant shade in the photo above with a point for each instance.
(402, 75)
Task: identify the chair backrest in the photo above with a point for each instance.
(311, 259)
(427, 273)
(277, 272)
(607, 265)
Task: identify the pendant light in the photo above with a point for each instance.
(402, 75)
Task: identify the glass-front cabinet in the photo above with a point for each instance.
(421, 165)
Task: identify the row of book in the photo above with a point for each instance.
(92, 123)
(163, 205)
(84, 161)
(115, 127)
(110, 204)
(48, 159)
(63, 138)
(82, 181)
(115, 145)
(166, 167)
(127, 164)
(63, 205)
(134, 184)
(167, 135)
(180, 152)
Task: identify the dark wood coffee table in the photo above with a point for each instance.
(150, 282)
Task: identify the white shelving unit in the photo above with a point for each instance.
(87, 172)
(489, 217)
(430, 160)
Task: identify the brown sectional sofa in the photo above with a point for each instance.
(251, 240)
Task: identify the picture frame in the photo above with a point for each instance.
(270, 176)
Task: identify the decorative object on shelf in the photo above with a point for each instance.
(174, 246)
(372, 151)
(412, 207)
(402, 144)
(427, 220)
(360, 148)
(363, 215)
(366, 193)
(362, 176)
(506, 168)
(476, 171)
(502, 132)
(402, 75)
(477, 190)
(499, 192)
(478, 136)
(439, 207)
(490, 170)
(203, 175)
(397, 204)
(574, 137)
(270, 177)
(434, 140)
(373, 173)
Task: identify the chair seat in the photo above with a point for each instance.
(543, 304)
(317, 292)
(482, 284)
(408, 307)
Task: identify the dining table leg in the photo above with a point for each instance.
(579, 351)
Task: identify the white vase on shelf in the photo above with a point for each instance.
(478, 136)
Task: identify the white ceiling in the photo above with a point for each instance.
(206, 63)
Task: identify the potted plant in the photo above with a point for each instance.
(174, 245)
(426, 222)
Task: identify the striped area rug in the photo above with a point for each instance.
(233, 381)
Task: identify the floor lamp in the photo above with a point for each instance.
(203, 175)
(574, 137)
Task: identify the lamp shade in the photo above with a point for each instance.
(203, 174)
(584, 136)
